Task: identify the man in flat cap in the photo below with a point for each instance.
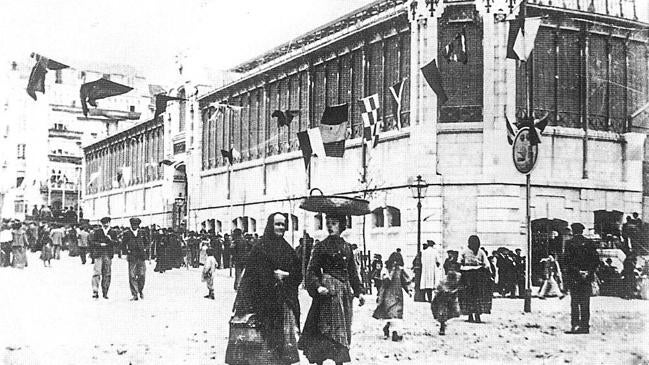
(581, 262)
(102, 245)
(136, 241)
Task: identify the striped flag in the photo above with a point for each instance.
(333, 130)
(397, 91)
(520, 42)
(455, 50)
(370, 113)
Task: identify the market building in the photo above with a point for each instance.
(589, 75)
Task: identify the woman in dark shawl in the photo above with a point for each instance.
(269, 288)
(330, 278)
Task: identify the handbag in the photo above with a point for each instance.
(245, 337)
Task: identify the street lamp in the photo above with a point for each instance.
(179, 203)
(418, 191)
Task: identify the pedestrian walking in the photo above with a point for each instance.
(332, 281)
(268, 290)
(83, 239)
(18, 246)
(103, 243)
(430, 270)
(136, 241)
(6, 239)
(581, 262)
(46, 250)
(395, 280)
(57, 234)
(445, 305)
(551, 286)
(162, 252)
(476, 294)
(239, 255)
(209, 269)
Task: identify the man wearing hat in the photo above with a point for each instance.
(135, 241)
(581, 262)
(102, 245)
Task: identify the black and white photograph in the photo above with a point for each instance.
(324, 182)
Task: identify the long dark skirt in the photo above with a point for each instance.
(162, 260)
(264, 353)
(476, 293)
(327, 331)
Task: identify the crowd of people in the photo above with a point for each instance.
(268, 273)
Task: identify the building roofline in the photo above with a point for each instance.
(125, 132)
(319, 41)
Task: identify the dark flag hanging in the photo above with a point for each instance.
(37, 76)
(284, 118)
(333, 128)
(434, 80)
(305, 147)
(455, 51)
(90, 92)
(161, 101)
(231, 155)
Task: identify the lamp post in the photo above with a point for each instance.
(179, 203)
(418, 191)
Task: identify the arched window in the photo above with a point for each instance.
(377, 218)
(218, 226)
(252, 225)
(317, 222)
(392, 216)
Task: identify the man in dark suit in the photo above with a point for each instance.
(135, 241)
(102, 245)
(581, 262)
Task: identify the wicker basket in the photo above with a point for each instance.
(335, 204)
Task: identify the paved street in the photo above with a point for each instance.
(49, 317)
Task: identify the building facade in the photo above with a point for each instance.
(588, 73)
(44, 138)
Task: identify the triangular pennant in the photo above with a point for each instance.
(434, 79)
(161, 101)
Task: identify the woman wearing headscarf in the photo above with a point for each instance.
(390, 301)
(331, 277)
(475, 298)
(269, 288)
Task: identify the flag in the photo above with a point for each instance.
(222, 107)
(370, 114)
(510, 131)
(93, 177)
(284, 118)
(397, 91)
(455, 50)
(333, 128)
(434, 80)
(370, 109)
(540, 124)
(520, 43)
(231, 155)
(37, 76)
(90, 92)
(161, 101)
(305, 147)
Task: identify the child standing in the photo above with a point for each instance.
(445, 305)
(208, 273)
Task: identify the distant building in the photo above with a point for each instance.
(42, 140)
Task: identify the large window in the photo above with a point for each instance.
(581, 75)
(463, 83)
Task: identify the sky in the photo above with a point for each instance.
(148, 34)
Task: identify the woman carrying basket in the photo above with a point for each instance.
(268, 291)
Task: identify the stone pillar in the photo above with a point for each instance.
(423, 100)
(633, 158)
